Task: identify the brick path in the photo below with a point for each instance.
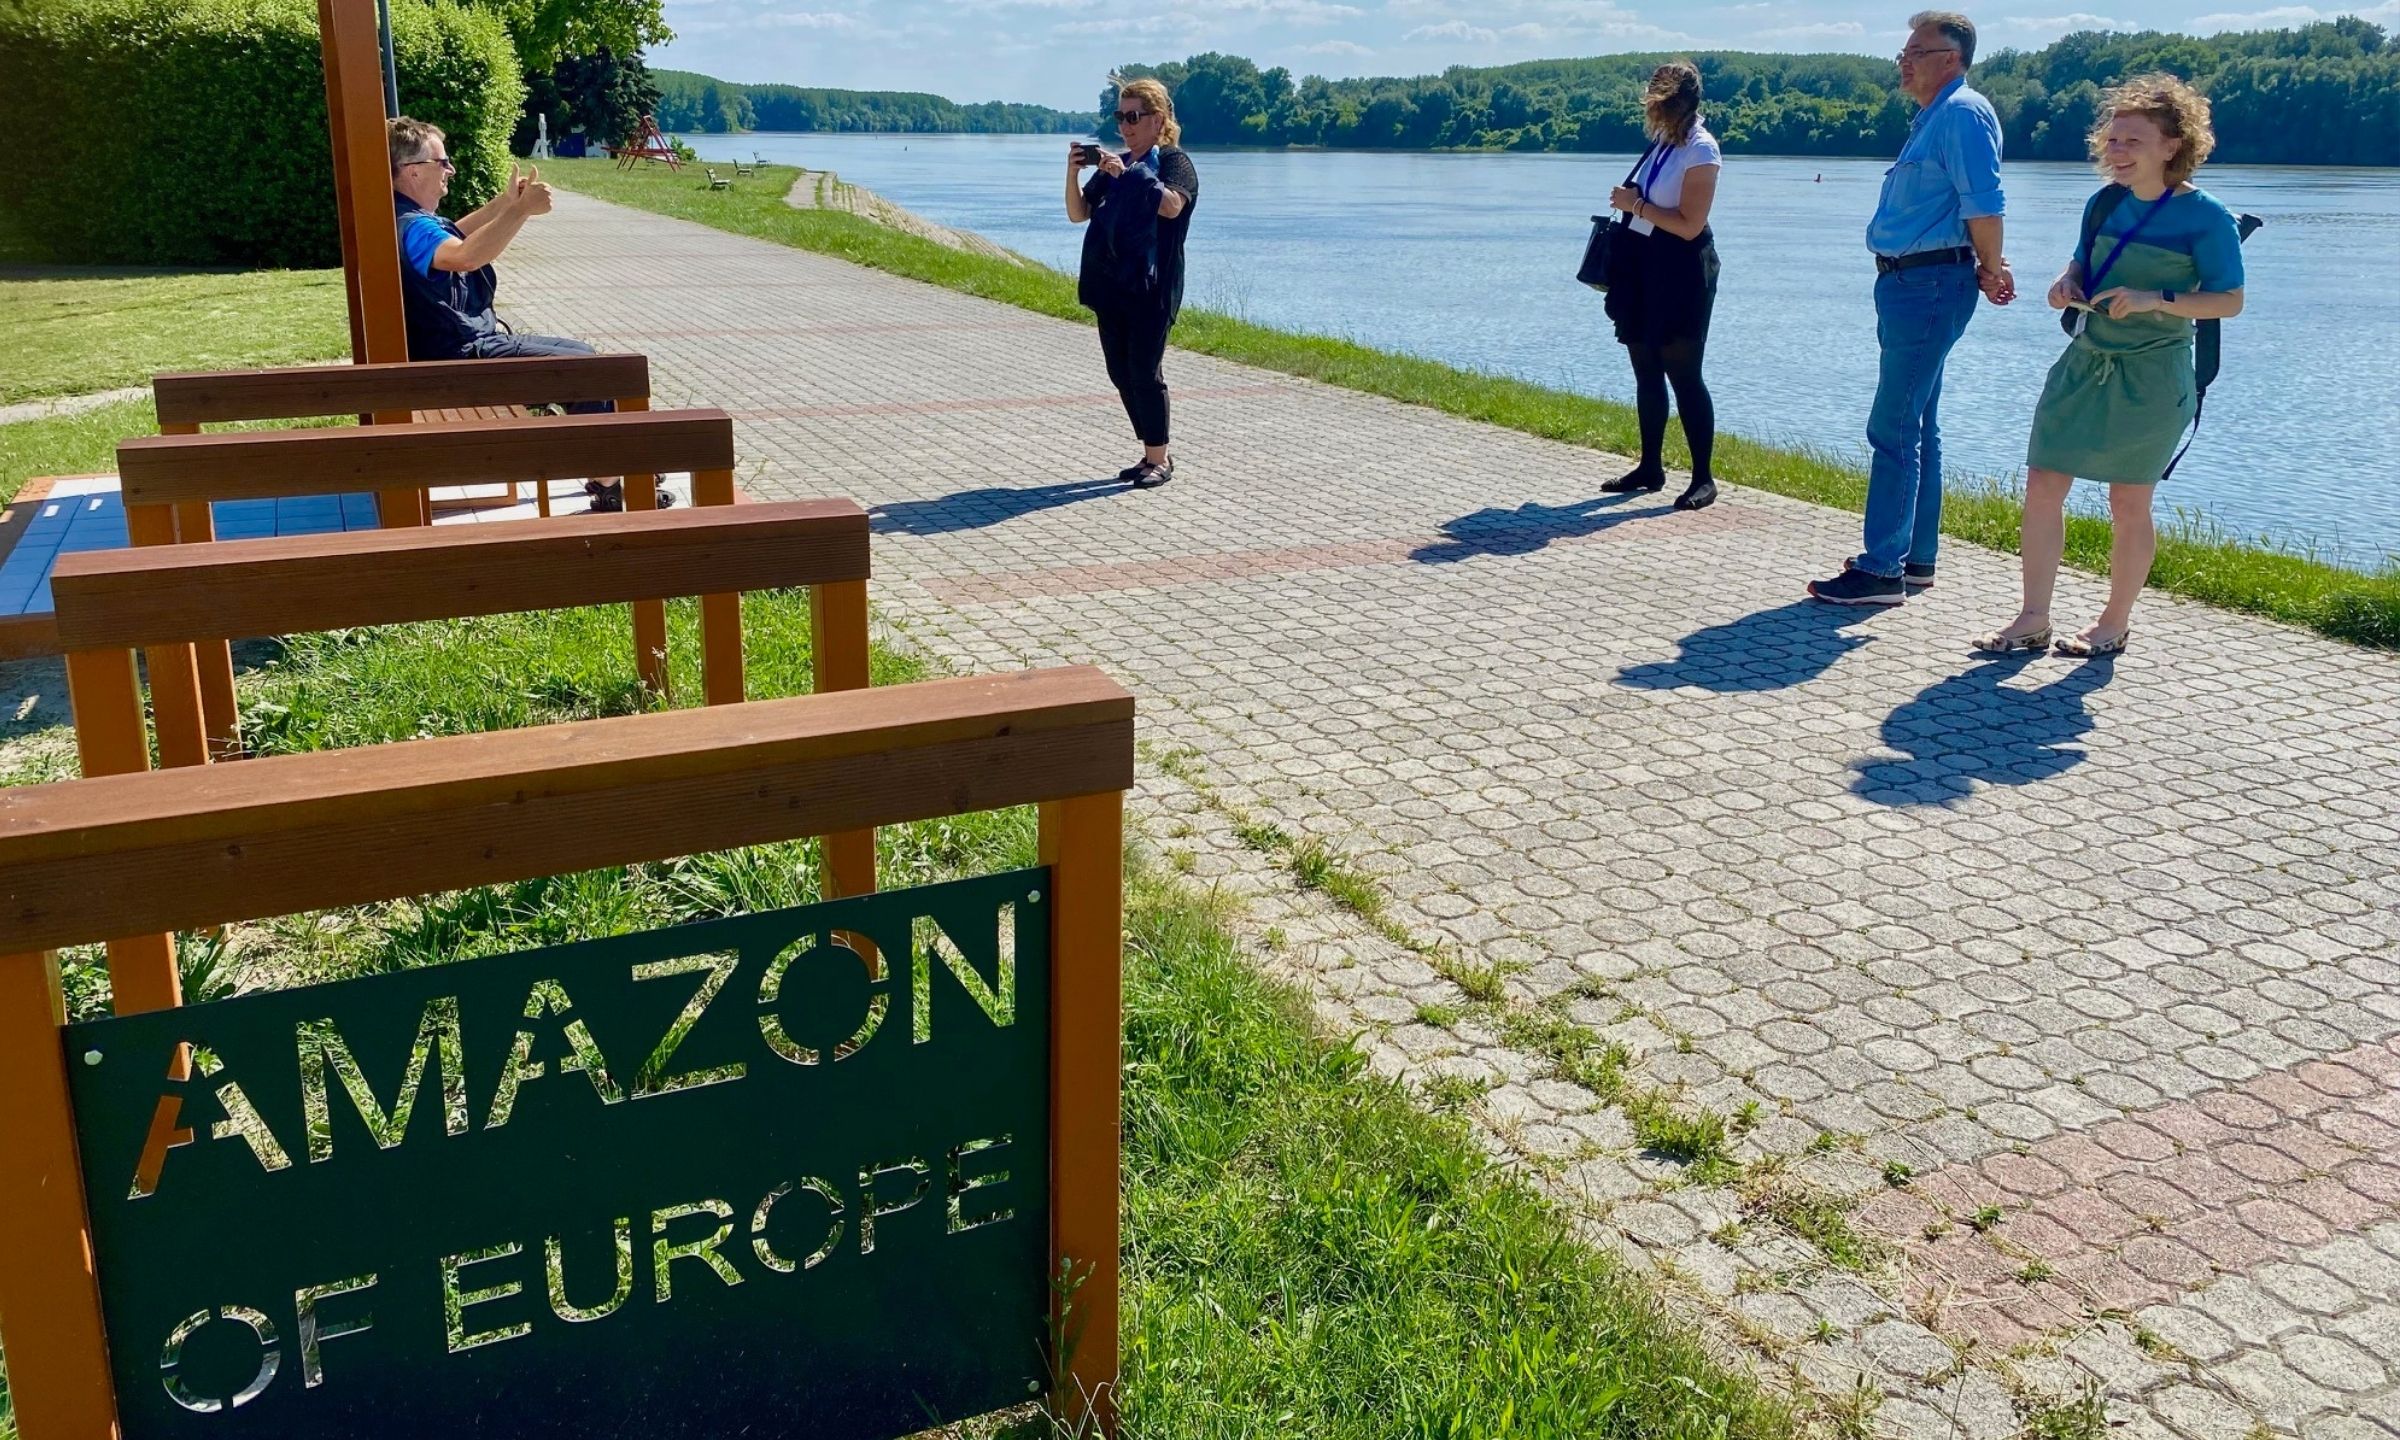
(2113, 951)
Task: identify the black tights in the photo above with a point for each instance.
(1676, 363)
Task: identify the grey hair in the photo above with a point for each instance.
(1955, 28)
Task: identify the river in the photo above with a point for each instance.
(1470, 259)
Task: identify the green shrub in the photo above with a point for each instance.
(192, 132)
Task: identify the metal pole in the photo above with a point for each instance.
(391, 72)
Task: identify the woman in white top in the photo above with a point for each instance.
(1663, 285)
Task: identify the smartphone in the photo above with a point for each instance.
(1089, 153)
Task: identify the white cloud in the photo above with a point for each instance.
(1821, 30)
(1452, 30)
(2286, 17)
(1350, 48)
(2065, 24)
(832, 20)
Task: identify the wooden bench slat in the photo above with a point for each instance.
(86, 860)
(167, 469)
(219, 396)
(171, 594)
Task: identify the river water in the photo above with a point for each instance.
(1470, 259)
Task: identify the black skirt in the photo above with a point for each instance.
(1662, 288)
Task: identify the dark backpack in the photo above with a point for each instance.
(2208, 338)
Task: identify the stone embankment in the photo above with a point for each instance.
(825, 190)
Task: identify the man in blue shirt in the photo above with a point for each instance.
(1936, 238)
(446, 276)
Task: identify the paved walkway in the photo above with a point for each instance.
(2107, 957)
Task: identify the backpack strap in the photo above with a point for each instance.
(2208, 349)
(2096, 215)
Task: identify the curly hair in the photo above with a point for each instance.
(1671, 104)
(2178, 110)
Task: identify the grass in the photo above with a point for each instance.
(1307, 1251)
(72, 332)
(80, 444)
(2195, 559)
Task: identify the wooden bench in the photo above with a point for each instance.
(112, 602)
(716, 181)
(426, 391)
(167, 476)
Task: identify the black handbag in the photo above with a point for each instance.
(1594, 270)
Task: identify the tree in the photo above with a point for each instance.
(605, 95)
(546, 29)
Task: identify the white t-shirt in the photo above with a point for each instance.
(1666, 192)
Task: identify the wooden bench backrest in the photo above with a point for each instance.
(222, 396)
(85, 860)
(178, 469)
(116, 599)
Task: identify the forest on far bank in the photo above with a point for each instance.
(2324, 94)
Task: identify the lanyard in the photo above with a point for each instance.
(2091, 287)
(1655, 166)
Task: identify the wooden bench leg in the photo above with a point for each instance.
(195, 525)
(174, 669)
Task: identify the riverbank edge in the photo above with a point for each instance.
(2197, 559)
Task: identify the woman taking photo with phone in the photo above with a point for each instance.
(1663, 280)
(2158, 254)
(1139, 207)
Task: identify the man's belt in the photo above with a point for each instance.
(1958, 255)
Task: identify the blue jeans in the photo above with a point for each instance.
(1919, 315)
(504, 345)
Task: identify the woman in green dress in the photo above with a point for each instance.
(2163, 253)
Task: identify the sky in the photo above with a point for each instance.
(1059, 52)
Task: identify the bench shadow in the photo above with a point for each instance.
(993, 505)
(1764, 650)
(1972, 727)
(1529, 527)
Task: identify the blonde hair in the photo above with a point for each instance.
(1671, 105)
(409, 138)
(2178, 110)
(1154, 100)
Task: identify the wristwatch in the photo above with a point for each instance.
(2166, 297)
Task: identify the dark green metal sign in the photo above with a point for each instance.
(730, 1178)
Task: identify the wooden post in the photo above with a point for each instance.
(649, 616)
(107, 702)
(838, 620)
(50, 1328)
(195, 525)
(720, 615)
(362, 169)
(174, 669)
(1083, 842)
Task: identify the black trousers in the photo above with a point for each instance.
(1133, 339)
(505, 345)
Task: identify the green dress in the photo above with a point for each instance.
(2118, 401)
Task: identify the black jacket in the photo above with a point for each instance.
(447, 311)
(1131, 257)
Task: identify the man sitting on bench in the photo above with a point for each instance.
(446, 276)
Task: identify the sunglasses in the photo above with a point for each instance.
(443, 162)
(1914, 53)
(1129, 117)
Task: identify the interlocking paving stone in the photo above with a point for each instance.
(2089, 943)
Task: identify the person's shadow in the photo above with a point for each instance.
(1764, 650)
(1971, 727)
(1528, 527)
(974, 509)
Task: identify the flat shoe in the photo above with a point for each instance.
(1636, 483)
(2000, 642)
(2088, 650)
(1699, 497)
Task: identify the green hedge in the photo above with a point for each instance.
(192, 132)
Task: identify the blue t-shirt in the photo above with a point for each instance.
(1948, 173)
(2195, 223)
(420, 235)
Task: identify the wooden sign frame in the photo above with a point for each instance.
(87, 860)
